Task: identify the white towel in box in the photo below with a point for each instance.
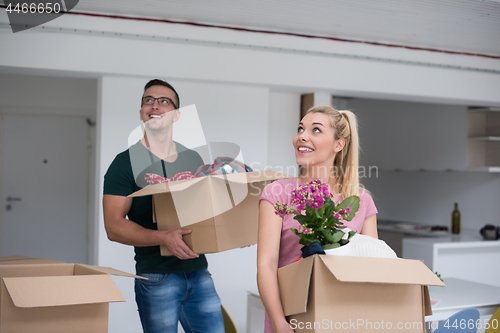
(366, 246)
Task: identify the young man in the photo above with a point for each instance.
(179, 286)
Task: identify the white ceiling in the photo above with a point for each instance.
(464, 26)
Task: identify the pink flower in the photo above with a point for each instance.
(341, 212)
(348, 209)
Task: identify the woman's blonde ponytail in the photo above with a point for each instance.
(347, 165)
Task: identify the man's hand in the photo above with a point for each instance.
(121, 230)
(175, 244)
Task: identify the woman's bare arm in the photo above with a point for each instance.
(370, 227)
(269, 237)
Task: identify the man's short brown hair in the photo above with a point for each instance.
(158, 82)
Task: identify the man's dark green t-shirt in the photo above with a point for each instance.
(125, 176)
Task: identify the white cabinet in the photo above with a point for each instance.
(465, 256)
(483, 143)
(406, 136)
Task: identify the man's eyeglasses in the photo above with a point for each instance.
(162, 101)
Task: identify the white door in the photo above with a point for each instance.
(44, 187)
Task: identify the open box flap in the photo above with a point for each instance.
(43, 291)
(108, 270)
(223, 196)
(154, 210)
(294, 280)
(253, 177)
(202, 201)
(427, 302)
(178, 185)
(150, 190)
(380, 270)
(22, 260)
(14, 258)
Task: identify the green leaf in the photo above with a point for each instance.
(304, 242)
(329, 205)
(439, 276)
(301, 218)
(330, 246)
(353, 202)
(329, 237)
(337, 236)
(322, 211)
(307, 239)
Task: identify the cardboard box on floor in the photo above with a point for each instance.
(43, 295)
(222, 211)
(356, 294)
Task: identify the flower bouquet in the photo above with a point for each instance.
(320, 218)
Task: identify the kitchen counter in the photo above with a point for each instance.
(410, 228)
(466, 236)
(393, 232)
(465, 256)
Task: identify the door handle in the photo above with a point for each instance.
(9, 198)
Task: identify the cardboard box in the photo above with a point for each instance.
(324, 293)
(42, 295)
(221, 210)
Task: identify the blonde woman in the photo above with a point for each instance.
(326, 148)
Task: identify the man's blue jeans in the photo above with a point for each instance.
(165, 299)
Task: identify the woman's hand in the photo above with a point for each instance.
(283, 327)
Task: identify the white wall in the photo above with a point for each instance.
(117, 115)
(284, 116)
(48, 95)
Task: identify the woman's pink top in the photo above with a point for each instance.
(281, 191)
